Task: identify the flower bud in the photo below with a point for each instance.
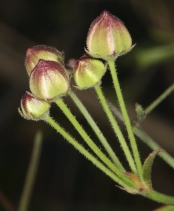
(33, 108)
(108, 37)
(35, 53)
(88, 72)
(49, 80)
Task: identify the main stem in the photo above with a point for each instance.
(89, 141)
(116, 128)
(159, 197)
(84, 152)
(126, 117)
(96, 129)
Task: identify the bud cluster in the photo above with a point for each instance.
(107, 39)
(48, 80)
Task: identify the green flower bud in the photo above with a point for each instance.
(88, 72)
(35, 53)
(33, 108)
(49, 80)
(108, 37)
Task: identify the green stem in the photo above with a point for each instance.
(88, 140)
(152, 194)
(31, 173)
(159, 99)
(116, 128)
(126, 117)
(145, 138)
(84, 152)
(96, 129)
(153, 145)
(159, 197)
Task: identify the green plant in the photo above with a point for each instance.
(107, 39)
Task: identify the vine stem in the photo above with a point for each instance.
(126, 117)
(84, 152)
(89, 141)
(96, 129)
(145, 138)
(159, 197)
(116, 128)
(153, 145)
(156, 102)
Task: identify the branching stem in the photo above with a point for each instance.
(84, 152)
(89, 141)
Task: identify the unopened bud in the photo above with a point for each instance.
(88, 72)
(33, 108)
(35, 53)
(108, 37)
(49, 80)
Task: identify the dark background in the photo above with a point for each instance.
(65, 180)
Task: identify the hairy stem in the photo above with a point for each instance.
(145, 138)
(159, 197)
(126, 117)
(156, 102)
(88, 140)
(96, 129)
(84, 152)
(116, 128)
(153, 145)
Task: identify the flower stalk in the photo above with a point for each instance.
(88, 155)
(145, 137)
(126, 117)
(96, 129)
(159, 197)
(116, 128)
(89, 141)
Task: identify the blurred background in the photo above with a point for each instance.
(65, 180)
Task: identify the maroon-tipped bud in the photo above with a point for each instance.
(49, 80)
(33, 108)
(88, 72)
(35, 53)
(108, 37)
